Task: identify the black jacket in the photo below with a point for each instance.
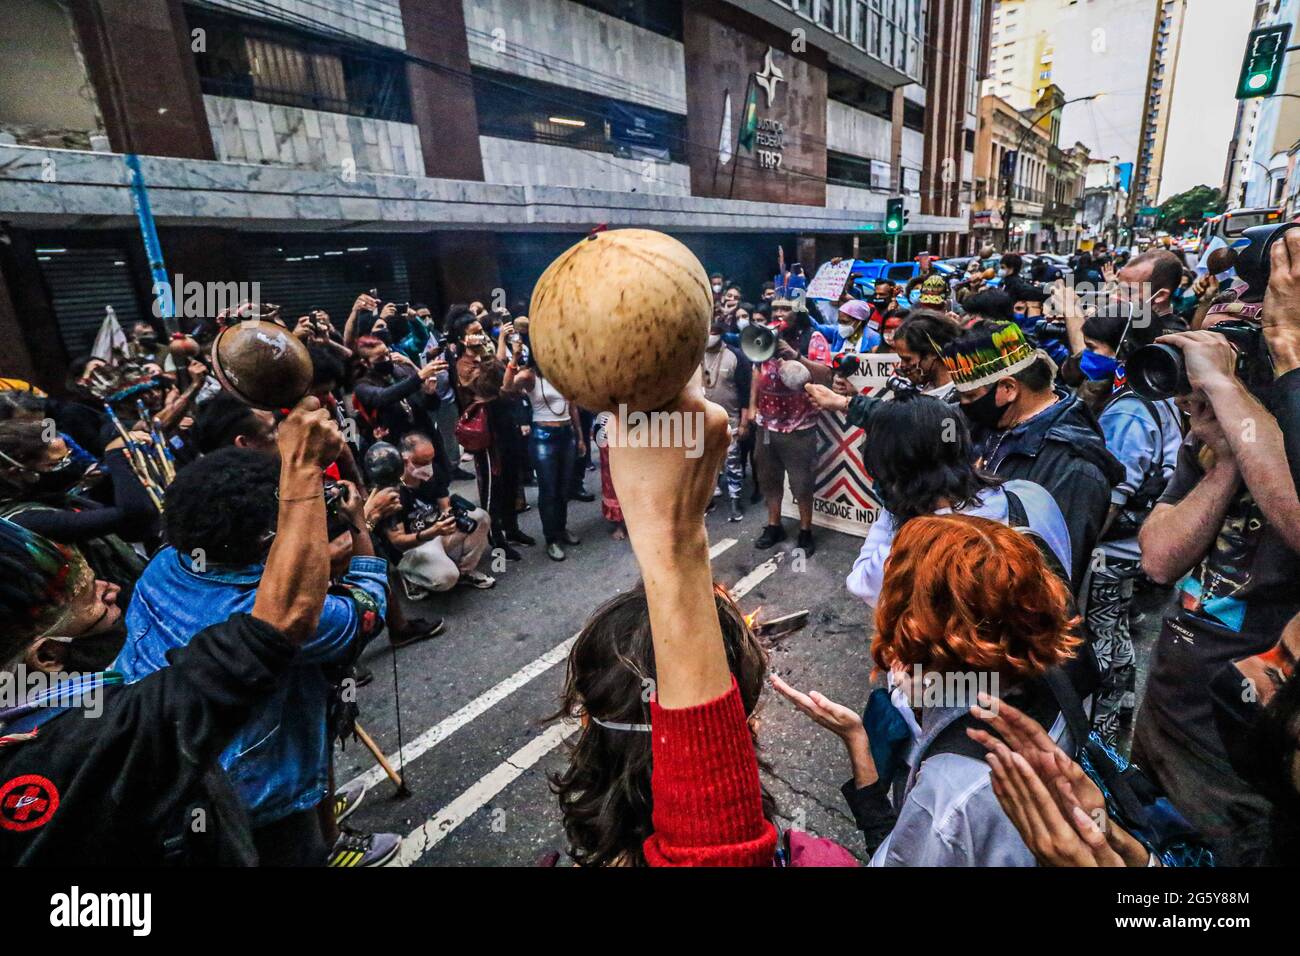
(1062, 449)
(139, 784)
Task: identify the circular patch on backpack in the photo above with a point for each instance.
(27, 802)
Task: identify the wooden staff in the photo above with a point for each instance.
(402, 789)
(136, 459)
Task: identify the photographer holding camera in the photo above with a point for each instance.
(1227, 529)
(440, 542)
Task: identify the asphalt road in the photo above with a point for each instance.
(475, 700)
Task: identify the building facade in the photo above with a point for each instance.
(441, 149)
(1012, 157)
(1165, 47)
(1118, 55)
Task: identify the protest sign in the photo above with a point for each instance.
(843, 497)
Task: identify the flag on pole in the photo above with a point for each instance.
(749, 119)
(725, 152)
(110, 342)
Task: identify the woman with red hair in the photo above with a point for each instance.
(967, 606)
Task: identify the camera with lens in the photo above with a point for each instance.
(1159, 371)
(460, 509)
(336, 522)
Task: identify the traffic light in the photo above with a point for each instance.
(895, 216)
(1261, 68)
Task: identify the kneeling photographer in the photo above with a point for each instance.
(1227, 529)
(441, 538)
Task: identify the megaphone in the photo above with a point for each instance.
(758, 342)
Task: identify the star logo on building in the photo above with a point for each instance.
(770, 76)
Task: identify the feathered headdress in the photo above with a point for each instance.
(38, 581)
(984, 357)
(934, 291)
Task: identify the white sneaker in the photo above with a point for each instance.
(477, 579)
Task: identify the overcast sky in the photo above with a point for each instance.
(1203, 111)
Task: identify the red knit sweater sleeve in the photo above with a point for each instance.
(708, 808)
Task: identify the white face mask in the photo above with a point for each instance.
(717, 289)
(742, 323)
(423, 473)
(847, 329)
(713, 341)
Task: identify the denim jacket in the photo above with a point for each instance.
(279, 760)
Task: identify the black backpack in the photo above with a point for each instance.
(1132, 800)
(1018, 520)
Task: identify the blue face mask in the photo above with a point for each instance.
(1096, 366)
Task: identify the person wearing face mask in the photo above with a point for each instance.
(726, 383)
(436, 553)
(1145, 437)
(858, 328)
(736, 323)
(1020, 289)
(149, 750)
(394, 397)
(919, 344)
(786, 419)
(1145, 286)
(1024, 428)
(38, 490)
(884, 297)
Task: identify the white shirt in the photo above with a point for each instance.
(1041, 510)
(548, 404)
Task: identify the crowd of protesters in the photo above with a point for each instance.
(209, 573)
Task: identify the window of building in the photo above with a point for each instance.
(658, 16)
(843, 87)
(914, 116)
(254, 60)
(513, 107)
(845, 170)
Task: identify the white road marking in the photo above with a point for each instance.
(423, 839)
(440, 731)
(441, 824)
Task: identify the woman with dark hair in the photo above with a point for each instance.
(497, 466)
(605, 791)
(556, 441)
(677, 655)
(918, 452)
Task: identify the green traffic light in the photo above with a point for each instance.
(1257, 81)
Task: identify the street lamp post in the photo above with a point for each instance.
(1009, 185)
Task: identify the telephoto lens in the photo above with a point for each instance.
(1158, 372)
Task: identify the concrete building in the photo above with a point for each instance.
(1012, 154)
(441, 149)
(1124, 52)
